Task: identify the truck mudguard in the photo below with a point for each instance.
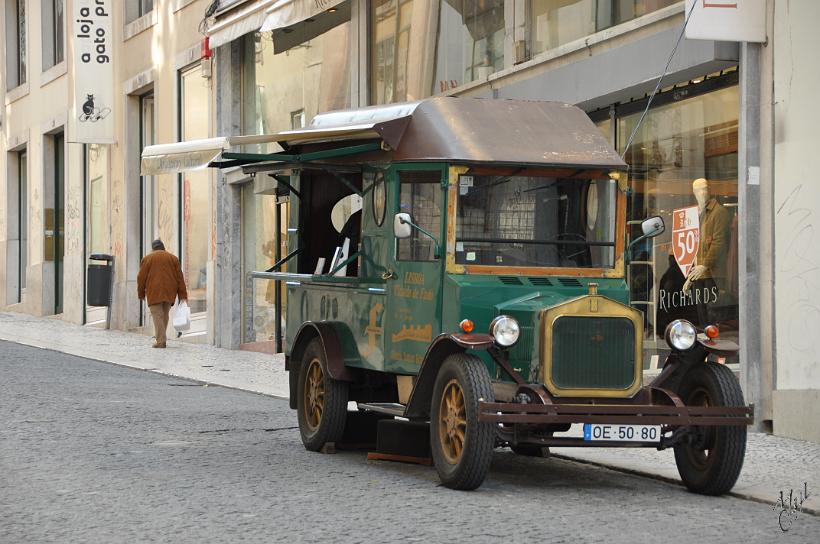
(442, 347)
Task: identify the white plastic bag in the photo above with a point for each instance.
(182, 317)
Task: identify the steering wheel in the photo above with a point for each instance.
(564, 249)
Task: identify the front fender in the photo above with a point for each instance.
(679, 362)
(444, 345)
(718, 346)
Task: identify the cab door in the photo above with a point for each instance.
(414, 306)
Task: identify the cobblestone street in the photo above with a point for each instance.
(91, 452)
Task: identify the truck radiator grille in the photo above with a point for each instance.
(593, 353)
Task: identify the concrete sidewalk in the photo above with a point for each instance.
(772, 464)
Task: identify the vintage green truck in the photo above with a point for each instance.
(459, 262)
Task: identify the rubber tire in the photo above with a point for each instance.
(729, 443)
(530, 450)
(479, 440)
(334, 415)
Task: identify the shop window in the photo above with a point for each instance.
(470, 42)
(421, 196)
(556, 22)
(283, 91)
(259, 222)
(678, 143)
(98, 186)
(53, 19)
(16, 52)
(17, 221)
(98, 218)
(195, 190)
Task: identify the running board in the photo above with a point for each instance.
(390, 408)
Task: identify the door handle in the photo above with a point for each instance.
(388, 275)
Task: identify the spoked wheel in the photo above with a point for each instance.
(709, 462)
(462, 447)
(322, 401)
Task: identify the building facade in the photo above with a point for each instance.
(734, 113)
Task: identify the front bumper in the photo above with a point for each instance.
(637, 414)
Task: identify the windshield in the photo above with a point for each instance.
(535, 221)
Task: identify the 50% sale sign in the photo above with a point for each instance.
(685, 237)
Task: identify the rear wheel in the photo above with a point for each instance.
(462, 446)
(322, 401)
(710, 460)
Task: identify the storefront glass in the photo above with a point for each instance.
(556, 22)
(98, 218)
(679, 142)
(282, 91)
(402, 44)
(259, 221)
(470, 42)
(99, 224)
(196, 208)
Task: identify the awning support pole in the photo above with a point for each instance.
(306, 157)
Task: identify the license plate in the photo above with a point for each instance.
(622, 433)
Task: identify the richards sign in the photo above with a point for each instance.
(92, 121)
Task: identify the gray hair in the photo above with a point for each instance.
(157, 244)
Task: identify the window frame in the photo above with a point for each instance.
(16, 31)
(143, 8)
(416, 234)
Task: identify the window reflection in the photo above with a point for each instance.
(196, 208)
(677, 144)
(402, 44)
(283, 90)
(470, 42)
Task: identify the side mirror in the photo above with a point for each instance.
(653, 226)
(402, 225)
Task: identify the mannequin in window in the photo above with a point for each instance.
(709, 272)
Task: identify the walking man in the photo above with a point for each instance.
(160, 279)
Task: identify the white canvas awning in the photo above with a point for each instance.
(292, 22)
(236, 24)
(193, 154)
(385, 123)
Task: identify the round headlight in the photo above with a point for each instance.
(681, 335)
(505, 330)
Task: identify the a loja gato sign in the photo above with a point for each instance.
(92, 121)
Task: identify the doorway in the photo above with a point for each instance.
(59, 220)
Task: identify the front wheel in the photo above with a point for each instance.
(462, 446)
(709, 462)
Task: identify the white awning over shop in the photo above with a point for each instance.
(193, 154)
(236, 24)
(292, 22)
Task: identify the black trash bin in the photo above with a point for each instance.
(99, 280)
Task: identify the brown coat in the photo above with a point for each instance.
(160, 278)
(715, 225)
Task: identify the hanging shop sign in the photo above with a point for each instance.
(685, 237)
(727, 20)
(92, 121)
